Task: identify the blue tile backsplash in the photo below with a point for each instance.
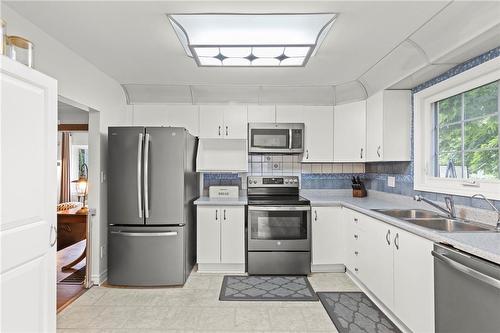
(374, 174)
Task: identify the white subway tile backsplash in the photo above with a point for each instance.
(358, 168)
(316, 168)
(287, 158)
(277, 158)
(326, 168)
(306, 168)
(267, 168)
(336, 168)
(287, 167)
(256, 158)
(347, 168)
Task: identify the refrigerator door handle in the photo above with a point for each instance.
(146, 176)
(145, 234)
(139, 174)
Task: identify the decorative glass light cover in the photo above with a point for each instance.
(256, 40)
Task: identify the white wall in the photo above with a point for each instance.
(80, 81)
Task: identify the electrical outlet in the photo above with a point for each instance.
(391, 181)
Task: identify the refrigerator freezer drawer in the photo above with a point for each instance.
(143, 256)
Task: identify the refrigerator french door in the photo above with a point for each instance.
(151, 183)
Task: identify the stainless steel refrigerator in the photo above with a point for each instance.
(152, 183)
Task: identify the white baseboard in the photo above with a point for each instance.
(98, 279)
(221, 268)
(377, 302)
(327, 268)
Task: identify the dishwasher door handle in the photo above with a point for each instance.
(467, 270)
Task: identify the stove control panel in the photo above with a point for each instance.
(285, 181)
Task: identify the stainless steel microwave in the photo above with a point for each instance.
(285, 138)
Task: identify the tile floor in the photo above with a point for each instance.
(196, 308)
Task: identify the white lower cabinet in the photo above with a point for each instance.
(414, 281)
(395, 265)
(327, 239)
(221, 238)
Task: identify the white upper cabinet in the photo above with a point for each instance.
(388, 117)
(289, 114)
(349, 130)
(167, 115)
(261, 113)
(223, 121)
(318, 136)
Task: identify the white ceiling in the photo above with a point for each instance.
(372, 45)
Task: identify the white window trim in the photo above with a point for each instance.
(422, 132)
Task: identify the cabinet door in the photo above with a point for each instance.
(261, 114)
(235, 122)
(289, 114)
(349, 132)
(232, 235)
(414, 281)
(318, 134)
(211, 121)
(184, 116)
(208, 235)
(374, 127)
(397, 125)
(378, 266)
(327, 236)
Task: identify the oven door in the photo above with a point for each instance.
(279, 228)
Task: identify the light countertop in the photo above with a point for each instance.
(206, 201)
(482, 244)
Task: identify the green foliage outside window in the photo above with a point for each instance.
(467, 134)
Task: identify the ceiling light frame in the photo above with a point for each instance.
(191, 48)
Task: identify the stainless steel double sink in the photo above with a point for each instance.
(432, 220)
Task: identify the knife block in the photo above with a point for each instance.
(359, 193)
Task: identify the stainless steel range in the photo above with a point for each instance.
(279, 227)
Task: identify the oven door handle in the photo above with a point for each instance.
(279, 208)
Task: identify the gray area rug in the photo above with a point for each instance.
(353, 312)
(266, 288)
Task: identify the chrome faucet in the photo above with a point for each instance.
(450, 205)
(479, 195)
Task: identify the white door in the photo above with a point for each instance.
(235, 122)
(378, 260)
(414, 292)
(349, 132)
(261, 113)
(211, 121)
(327, 236)
(375, 127)
(28, 199)
(233, 235)
(208, 235)
(318, 134)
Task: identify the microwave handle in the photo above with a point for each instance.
(289, 138)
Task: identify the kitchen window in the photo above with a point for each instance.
(466, 135)
(457, 135)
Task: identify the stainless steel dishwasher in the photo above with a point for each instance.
(467, 292)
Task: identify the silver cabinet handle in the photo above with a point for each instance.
(145, 234)
(224, 214)
(356, 220)
(307, 154)
(53, 231)
(146, 176)
(378, 151)
(216, 214)
(315, 215)
(227, 131)
(467, 270)
(361, 153)
(355, 236)
(356, 269)
(139, 174)
(396, 241)
(388, 237)
(356, 252)
(219, 130)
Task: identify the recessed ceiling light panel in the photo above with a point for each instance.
(240, 40)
